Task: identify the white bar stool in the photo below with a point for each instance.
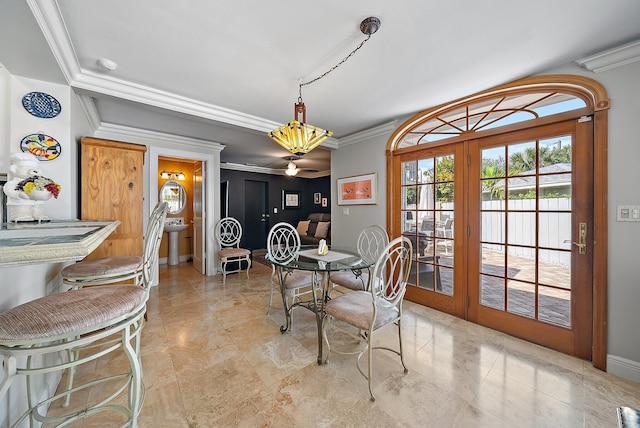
(83, 325)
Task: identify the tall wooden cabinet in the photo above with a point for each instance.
(111, 188)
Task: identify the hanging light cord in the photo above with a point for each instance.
(331, 69)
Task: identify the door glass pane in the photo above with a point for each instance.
(430, 226)
(426, 171)
(446, 280)
(555, 268)
(492, 293)
(521, 298)
(519, 267)
(522, 158)
(521, 228)
(555, 228)
(493, 259)
(535, 222)
(554, 306)
(493, 225)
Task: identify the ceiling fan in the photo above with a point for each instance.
(292, 167)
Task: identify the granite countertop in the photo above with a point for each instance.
(51, 241)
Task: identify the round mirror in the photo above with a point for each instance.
(173, 194)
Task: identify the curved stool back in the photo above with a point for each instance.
(84, 325)
(109, 270)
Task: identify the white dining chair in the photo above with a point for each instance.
(283, 246)
(369, 311)
(371, 242)
(84, 324)
(228, 233)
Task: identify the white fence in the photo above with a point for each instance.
(554, 228)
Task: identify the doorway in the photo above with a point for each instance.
(501, 198)
(526, 197)
(256, 215)
(208, 158)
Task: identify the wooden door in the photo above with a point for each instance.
(502, 229)
(525, 276)
(111, 188)
(199, 216)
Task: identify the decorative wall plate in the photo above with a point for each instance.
(44, 147)
(41, 105)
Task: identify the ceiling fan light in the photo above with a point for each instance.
(292, 169)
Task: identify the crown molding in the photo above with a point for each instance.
(49, 19)
(90, 111)
(92, 82)
(152, 138)
(612, 58)
(384, 130)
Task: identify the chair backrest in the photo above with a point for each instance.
(371, 242)
(390, 273)
(152, 242)
(283, 242)
(228, 233)
(448, 223)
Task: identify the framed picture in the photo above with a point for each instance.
(358, 190)
(316, 198)
(290, 199)
(325, 202)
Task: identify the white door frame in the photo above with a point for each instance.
(212, 182)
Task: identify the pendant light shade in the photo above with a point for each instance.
(298, 136)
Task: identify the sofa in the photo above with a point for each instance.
(317, 226)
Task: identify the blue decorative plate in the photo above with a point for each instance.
(43, 146)
(41, 105)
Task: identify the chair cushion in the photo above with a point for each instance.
(356, 309)
(322, 229)
(69, 313)
(116, 265)
(233, 252)
(297, 279)
(349, 280)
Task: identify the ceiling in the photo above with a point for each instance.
(228, 71)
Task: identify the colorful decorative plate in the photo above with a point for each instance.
(44, 147)
(41, 105)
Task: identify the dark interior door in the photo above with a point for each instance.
(256, 214)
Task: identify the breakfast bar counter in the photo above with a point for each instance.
(51, 241)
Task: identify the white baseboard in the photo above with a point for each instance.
(181, 259)
(622, 367)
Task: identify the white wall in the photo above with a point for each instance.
(22, 284)
(5, 116)
(22, 123)
(623, 87)
(623, 345)
(359, 157)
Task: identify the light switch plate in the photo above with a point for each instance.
(628, 213)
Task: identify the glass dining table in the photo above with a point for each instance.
(336, 260)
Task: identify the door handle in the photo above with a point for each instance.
(582, 239)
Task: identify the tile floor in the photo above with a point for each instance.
(213, 358)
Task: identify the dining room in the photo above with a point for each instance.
(212, 357)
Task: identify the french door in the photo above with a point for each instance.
(502, 229)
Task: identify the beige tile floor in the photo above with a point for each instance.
(213, 358)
